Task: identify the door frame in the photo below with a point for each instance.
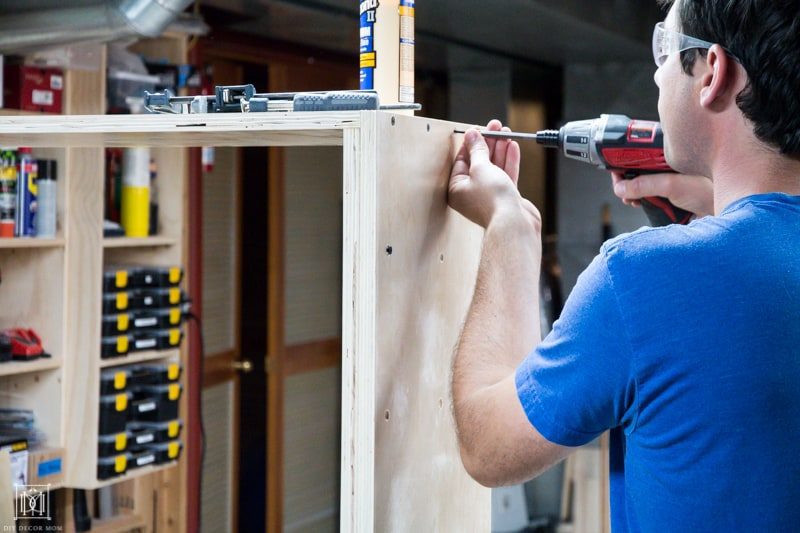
(277, 57)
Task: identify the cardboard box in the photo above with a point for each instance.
(46, 466)
(33, 88)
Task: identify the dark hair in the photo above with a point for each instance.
(764, 35)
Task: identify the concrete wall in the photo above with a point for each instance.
(590, 90)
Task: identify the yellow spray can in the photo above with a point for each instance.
(135, 209)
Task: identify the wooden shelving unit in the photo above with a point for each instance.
(11, 244)
(127, 242)
(133, 474)
(21, 367)
(54, 286)
(140, 357)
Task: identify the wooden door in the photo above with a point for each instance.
(299, 190)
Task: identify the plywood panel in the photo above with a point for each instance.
(424, 289)
(410, 268)
(83, 275)
(219, 129)
(311, 461)
(32, 294)
(220, 245)
(217, 482)
(313, 244)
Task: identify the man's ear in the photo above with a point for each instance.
(717, 79)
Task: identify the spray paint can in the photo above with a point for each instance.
(8, 192)
(46, 214)
(406, 11)
(27, 191)
(135, 210)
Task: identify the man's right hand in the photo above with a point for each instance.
(692, 193)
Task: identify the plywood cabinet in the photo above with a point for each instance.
(409, 268)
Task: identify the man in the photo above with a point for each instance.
(684, 341)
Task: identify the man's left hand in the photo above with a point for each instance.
(483, 182)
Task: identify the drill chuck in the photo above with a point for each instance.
(549, 138)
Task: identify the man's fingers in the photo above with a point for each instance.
(461, 162)
(493, 125)
(478, 149)
(644, 186)
(513, 158)
(501, 151)
(460, 166)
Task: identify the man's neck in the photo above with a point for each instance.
(756, 170)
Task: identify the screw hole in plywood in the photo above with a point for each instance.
(389, 250)
(441, 403)
(429, 128)
(393, 121)
(441, 258)
(386, 415)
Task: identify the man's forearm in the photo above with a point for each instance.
(502, 324)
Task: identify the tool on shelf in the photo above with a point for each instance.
(25, 344)
(245, 99)
(613, 142)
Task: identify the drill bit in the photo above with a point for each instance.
(513, 135)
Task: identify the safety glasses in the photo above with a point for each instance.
(667, 42)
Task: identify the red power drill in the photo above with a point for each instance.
(614, 142)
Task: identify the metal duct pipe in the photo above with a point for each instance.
(108, 21)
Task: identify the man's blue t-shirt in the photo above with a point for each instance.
(685, 342)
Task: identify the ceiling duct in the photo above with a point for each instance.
(107, 21)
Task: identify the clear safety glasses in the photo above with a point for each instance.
(667, 42)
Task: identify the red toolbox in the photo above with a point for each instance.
(33, 88)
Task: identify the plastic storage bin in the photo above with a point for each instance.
(141, 458)
(167, 451)
(157, 318)
(152, 298)
(156, 403)
(114, 381)
(115, 346)
(156, 339)
(114, 413)
(108, 467)
(155, 277)
(116, 324)
(141, 436)
(116, 302)
(157, 374)
(114, 444)
(162, 431)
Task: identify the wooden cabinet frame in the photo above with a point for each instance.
(409, 271)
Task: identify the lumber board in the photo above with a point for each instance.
(83, 273)
(410, 265)
(159, 130)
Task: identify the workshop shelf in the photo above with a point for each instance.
(131, 474)
(21, 367)
(144, 242)
(140, 357)
(11, 244)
